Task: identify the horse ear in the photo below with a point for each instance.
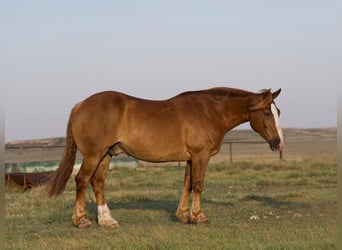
(267, 99)
(276, 93)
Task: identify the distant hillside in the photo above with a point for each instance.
(52, 148)
(50, 142)
(235, 135)
(290, 134)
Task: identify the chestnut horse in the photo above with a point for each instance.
(188, 127)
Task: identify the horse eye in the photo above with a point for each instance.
(267, 112)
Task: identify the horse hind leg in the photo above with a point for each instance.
(104, 217)
(82, 181)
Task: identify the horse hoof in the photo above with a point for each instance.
(202, 219)
(183, 216)
(83, 223)
(116, 225)
(109, 223)
(199, 219)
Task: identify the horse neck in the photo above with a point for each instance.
(235, 112)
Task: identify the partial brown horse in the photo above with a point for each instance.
(188, 127)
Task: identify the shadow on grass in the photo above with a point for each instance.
(276, 203)
(169, 206)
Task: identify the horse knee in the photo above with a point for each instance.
(97, 185)
(197, 186)
(81, 181)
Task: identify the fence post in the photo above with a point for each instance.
(231, 151)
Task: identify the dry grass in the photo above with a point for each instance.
(250, 205)
(256, 202)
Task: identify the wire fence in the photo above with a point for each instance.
(45, 155)
(230, 144)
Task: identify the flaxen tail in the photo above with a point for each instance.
(59, 178)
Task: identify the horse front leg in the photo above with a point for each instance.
(104, 217)
(183, 212)
(199, 166)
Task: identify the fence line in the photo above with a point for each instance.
(225, 142)
(230, 143)
(32, 146)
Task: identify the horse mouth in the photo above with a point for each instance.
(276, 144)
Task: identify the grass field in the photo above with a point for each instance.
(252, 204)
(279, 205)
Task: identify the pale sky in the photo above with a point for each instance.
(56, 53)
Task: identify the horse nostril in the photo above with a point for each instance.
(274, 143)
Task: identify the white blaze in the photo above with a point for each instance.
(276, 120)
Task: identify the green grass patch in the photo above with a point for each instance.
(273, 205)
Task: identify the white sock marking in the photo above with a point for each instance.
(104, 217)
(277, 123)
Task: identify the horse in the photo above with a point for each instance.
(187, 127)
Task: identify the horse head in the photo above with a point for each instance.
(264, 118)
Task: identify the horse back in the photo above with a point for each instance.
(141, 127)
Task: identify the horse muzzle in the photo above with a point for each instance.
(276, 144)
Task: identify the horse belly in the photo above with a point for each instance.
(155, 150)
